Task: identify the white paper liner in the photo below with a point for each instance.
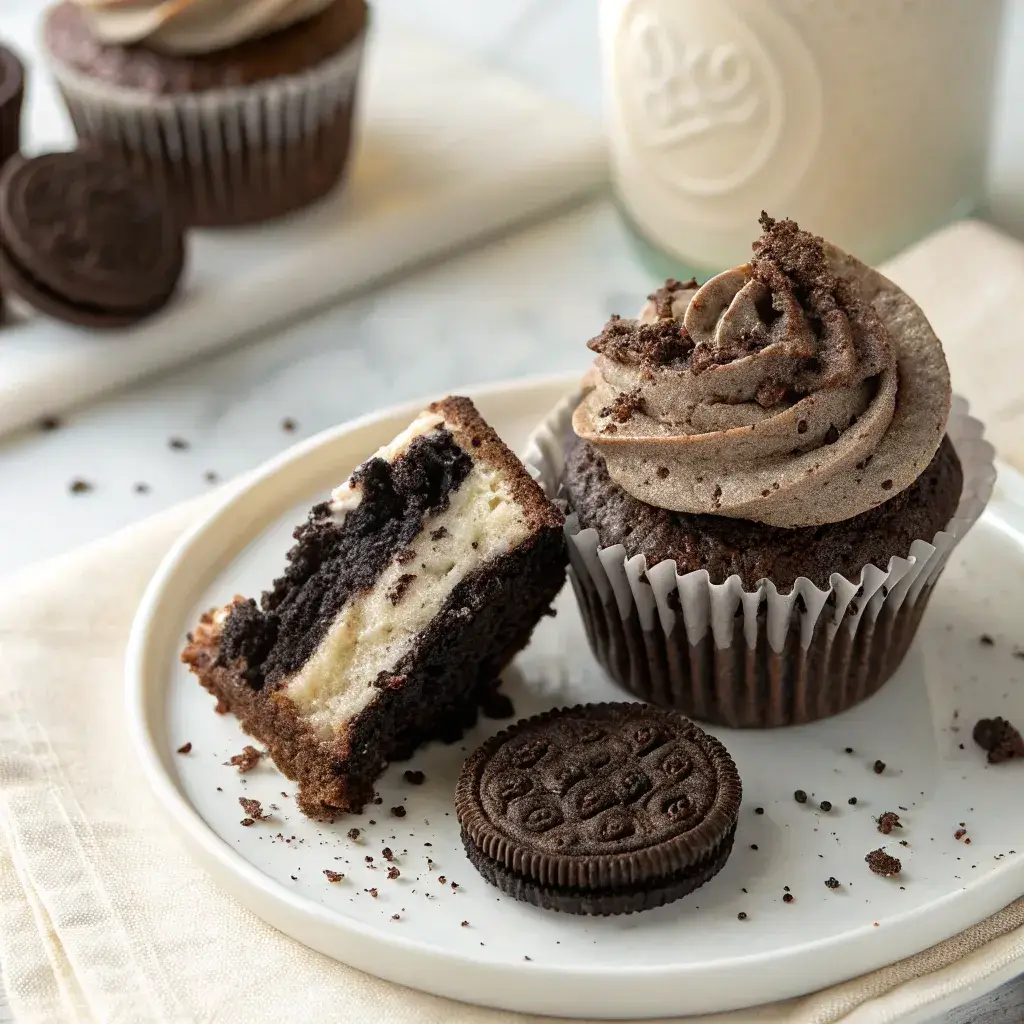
(659, 596)
(216, 136)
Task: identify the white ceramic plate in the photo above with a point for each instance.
(693, 956)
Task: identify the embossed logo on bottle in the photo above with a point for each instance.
(713, 99)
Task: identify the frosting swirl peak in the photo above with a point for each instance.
(800, 389)
(194, 26)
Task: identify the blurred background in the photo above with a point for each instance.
(522, 301)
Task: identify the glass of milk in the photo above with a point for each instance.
(867, 121)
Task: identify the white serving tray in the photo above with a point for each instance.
(693, 956)
(449, 152)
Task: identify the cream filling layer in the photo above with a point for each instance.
(378, 627)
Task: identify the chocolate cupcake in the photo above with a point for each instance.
(241, 109)
(766, 480)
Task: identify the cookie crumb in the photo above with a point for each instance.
(398, 811)
(246, 760)
(800, 796)
(247, 822)
(887, 821)
(414, 778)
(741, 916)
(387, 854)
(999, 738)
(759, 810)
(852, 801)
(185, 748)
(882, 863)
(353, 834)
(826, 805)
(393, 873)
(333, 876)
(253, 808)
(878, 767)
(832, 883)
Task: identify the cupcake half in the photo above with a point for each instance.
(765, 479)
(241, 109)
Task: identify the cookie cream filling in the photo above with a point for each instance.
(372, 633)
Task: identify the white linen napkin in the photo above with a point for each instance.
(103, 917)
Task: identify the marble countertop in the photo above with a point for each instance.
(522, 305)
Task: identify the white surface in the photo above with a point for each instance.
(719, 111)
(448, 151)
(693, 956)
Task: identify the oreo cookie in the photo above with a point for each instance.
(599, 809)
(12, 94)
(86, 240)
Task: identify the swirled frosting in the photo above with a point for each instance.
(193, 26)
(800, 389)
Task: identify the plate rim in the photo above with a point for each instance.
(597, 991)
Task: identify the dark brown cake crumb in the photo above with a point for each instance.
(185, 748)
(393, 872)
(141, 488)
(246, 760)
(887, 821)
(852, 801)
(178, 444)
(800, 796)
(353, 834)
(465, 924)
(288, 425)
(398, 811)
(400, 586)
(959, 833)
(414, 778)
(832, 883)
(396, 917)
(883, 863)
(372, 892)
(878, 767)
(788, 898)
(210, 476)
(741, 916)
(759, 810)
(631, 342)
(79, 486)
(333, 876)
(387, 854)
(442, 879)
(753, 846)
(368, 859)
(439, 534)
(625, 404)
(253, 808)
(849, 750)
(826, 805)
(1001, 739)
(247, 822)
(986, 640)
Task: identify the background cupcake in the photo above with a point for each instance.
(241, 108)
(766, 483)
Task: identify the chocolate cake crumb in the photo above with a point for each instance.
(253, 808)
(288, 425)
(788, 898)
(387, 854)
(759, 810)
(400, 586)
(79, 486)
(852, 801)
(849, 750)
(185, 748)
(832, 883)
(878, 767)
(440, 533)
(141, 488)
(465, 924)
(393, 872)
(800, 796)
(210, 476)
(882, 863)
(178, 444)
(959, 833)
(406, 556)
(396, 917)
(368, 859)
(246, 760)
(398, 811)
(414, 778)
(741, 916)
(753, 846)
(442, 879)
(624, 405)
(333, 876)
(903, 842)
(1001, 739)
(247, 822)
(887, 821)
(826, 805)
(663, 343)
(986, 641)
(353, 834)
(372, 892)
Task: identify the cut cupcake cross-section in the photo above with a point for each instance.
(403, 599)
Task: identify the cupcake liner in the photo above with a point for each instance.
(755, 658)
(228, 156)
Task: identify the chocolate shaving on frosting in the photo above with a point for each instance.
(800, 389)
